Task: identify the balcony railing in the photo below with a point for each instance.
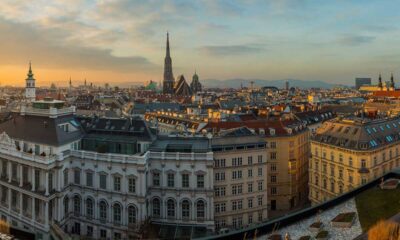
(182, 156)
(28, 156)
(109, 157)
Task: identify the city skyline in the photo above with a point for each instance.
(123, 41)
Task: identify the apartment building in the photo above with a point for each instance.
(240, 178)
(349, 152)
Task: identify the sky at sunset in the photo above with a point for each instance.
(124, 41)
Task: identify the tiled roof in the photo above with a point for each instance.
(359, 134)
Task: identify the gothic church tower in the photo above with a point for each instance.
(168, 83)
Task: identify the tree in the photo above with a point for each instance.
(384, 230)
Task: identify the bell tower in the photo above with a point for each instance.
(30, 89)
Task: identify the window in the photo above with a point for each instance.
(240, 189)
(185, 209)
(250, 160)
(117, 236)
(117, 183)
(89, 179)
(200, 206)
(250, 203)
(66, 208)
(103, 181)
(131, 215)
(240, 204)
(260, 159)
(260, 172)
(250, 187)
(273, 144)
(170, 208)
(103, 211)
(65, 177)
(332, 187)
(273, 190)
(260, 200)
(103, 233)
(89, 207)
(77, 206)
(170, 180)
(273, 167)
(273, 156)
(250, 172)
(234, 205)
(363, 181)
(89, 231)
(260, 216)
(77, 176)
(156, 179)
(260, 186)
(350, 161)
(117, 213)
(132, 185)
(185, 180)
(37, 149)
(234, 190)
(363, 163)
(156, 207)
(273, 178)
(200, 181)
(220, 176)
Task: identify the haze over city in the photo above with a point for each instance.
(123, 41)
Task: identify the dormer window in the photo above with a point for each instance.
(272, 131)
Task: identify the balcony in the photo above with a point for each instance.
(181, 156)
(109, 157)
(28, 156)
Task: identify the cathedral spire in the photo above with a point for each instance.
(167, 53)
(392, 81)
(30, 73)
(168, 83)
(380, 81)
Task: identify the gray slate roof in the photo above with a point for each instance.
(42, 130)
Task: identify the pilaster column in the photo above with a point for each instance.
(58, 180)
(9, 170)
(33, 209)
(21, 203)
(21, 177)
(46, 213)
(47, 183)
(33, 179)
(9, 199)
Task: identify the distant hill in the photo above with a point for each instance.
(235, 83)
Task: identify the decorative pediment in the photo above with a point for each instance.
(200, 172)
(185, 172)
(171, 171)
(6, 141)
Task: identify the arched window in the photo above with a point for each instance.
(156, 207)
(200, 209)
(185, 209)
(117, 213)
(77, 205)
(89, 207)
(103, 211)
(131, 215)
(66, 207)
(170, 208)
